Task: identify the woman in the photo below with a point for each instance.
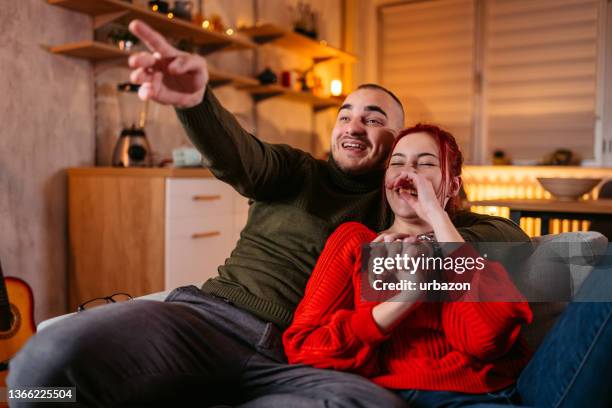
(432, 353)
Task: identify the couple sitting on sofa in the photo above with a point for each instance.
(223, 343)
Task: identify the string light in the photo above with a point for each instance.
(205, 24)
(229, 31)
(155, 7)
(170, 15)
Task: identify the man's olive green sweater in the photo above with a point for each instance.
(296, 202)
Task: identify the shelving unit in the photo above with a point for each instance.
(99, 51)
(107, 11)
(318, 51)
(91, 50)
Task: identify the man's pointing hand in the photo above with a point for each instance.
(166, 75)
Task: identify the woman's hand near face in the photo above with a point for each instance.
(428, 207)
(426, 204)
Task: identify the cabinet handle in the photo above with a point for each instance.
(206, 197)
(207, 234)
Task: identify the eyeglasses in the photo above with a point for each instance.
(114, 298)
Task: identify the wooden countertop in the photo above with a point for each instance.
(180, 172)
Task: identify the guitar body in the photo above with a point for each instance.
(22, 327)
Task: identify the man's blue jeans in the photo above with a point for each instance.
(571, 368)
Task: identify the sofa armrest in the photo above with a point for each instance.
(158, 296)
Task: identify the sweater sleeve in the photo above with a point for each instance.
(254, 168)
(332, 328)
(484, 321)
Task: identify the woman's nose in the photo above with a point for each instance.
(407, 170)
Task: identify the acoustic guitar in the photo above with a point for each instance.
(16, 320)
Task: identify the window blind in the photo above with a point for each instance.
(540, 72)
(426, 57)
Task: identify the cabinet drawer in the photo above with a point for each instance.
(195, 249)
(197, 198)
(199, 227)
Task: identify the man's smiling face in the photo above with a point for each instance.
(366, 126)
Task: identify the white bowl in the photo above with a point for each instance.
(568, 189)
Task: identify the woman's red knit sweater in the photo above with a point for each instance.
(471, 347)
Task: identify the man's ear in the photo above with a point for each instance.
(455, 186)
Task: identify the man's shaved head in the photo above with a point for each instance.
(388, 92)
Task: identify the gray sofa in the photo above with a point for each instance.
(580, 252)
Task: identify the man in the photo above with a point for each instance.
(222, 343)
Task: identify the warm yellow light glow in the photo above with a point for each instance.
(336, 87)
(205, 24)
(502, 182)
(170, 15)
(229, 31)
(155, 7)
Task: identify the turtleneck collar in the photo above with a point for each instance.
(358, 183)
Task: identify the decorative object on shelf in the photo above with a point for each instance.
(500, 158)
(335, 87)
(132, 148)
(303, 80)
(182, 9)
(317, 85)
(267, 77)
(310, 82)
(216, 23)
(561, 157)
(122, 38)
(289, 79)
(568, 189)
(186, 157)
(197, 17)
(160, 6)
(305, 20)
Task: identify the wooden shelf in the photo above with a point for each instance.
(220, 78)
(99, 51)
(91, 50)
(105, 11)
(318, 51)
(262, 92)
(139, 171)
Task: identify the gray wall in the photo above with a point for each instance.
(47, 125)
(59, 112)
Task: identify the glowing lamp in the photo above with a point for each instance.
(336, 87)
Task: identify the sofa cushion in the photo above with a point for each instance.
(553, 274)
